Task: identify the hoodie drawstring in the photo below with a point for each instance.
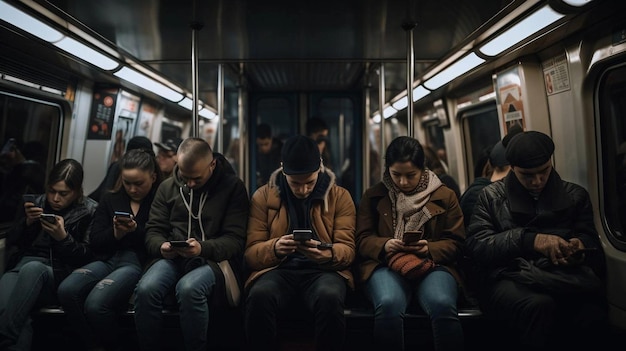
(203, 197)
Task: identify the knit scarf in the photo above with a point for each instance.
(408, 209)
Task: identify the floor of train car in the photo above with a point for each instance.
(51, 333)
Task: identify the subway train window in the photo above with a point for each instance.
(28, 130)
(612, 109)
(481, 130)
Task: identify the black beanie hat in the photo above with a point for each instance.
(300, 155)
(139, 142)
(529, 149)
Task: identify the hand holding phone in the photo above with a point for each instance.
(412, 237)
(50, 218)
(123, 216)
(580, 252)
(302, 234)
(179, 243)
(30, 198)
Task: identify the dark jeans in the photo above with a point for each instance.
(22, 289)
(541, 321)
(322, 293)
(93, 295)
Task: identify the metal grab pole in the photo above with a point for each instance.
(220, 108)
(381, 104)
(195, 121)
(410, 73)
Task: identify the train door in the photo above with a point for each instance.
(611, 111)
(280, 112)
(343, 144)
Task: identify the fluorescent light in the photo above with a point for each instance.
(520, 31)
(142, 81)
(419, 93)
(206, 113)
(376, 118)
(86, 53)
(188, 104)
(489, 96)
(458, 68)
(28, 24)
(389, 111)
(577, 3)
(401, 104)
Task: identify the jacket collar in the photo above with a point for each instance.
(553, 197)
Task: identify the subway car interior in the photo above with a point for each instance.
(79, 79)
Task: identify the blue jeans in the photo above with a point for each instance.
(193, 291)
(437, 294)
(322, 293)
(93, 295)
(28, 285)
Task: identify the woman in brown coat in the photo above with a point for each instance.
(409, 237)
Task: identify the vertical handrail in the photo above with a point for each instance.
(410, 74)
(381, 104)
(195, 28)
(220, 108)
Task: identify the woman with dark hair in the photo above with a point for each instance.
(409, 236)
(92, 295)
(42, 250)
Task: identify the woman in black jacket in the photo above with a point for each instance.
(42, 250)
(92, 295)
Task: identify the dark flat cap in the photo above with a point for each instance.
(170, 144)
(529, 149)
(300, 155)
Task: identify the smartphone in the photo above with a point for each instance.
(412, 237)
(302, 234)
(50, 218)
(179, 243)
(29, 198)
(122, 214)
(579, 253)
(324, 246)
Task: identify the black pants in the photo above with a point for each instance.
(541, 321)
(321, 293)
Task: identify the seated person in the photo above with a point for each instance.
(286, 269)
(527, 236)
(42, 250)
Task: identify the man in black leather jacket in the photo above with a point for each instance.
(537, 251)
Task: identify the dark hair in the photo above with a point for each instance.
(403, 149)
(432, 161)
(69, 171)
(142, 159)
(263, 131)
(314, 125)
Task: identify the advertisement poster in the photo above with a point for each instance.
(510, 98)
(102, 113)
(556, 75)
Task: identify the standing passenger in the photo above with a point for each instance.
(397, 265)
(43, 251)
(268, 153)
(205, 205)
(526, 234)
(317, 129)
(166, 155)
(92, 295)
(313, 272)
